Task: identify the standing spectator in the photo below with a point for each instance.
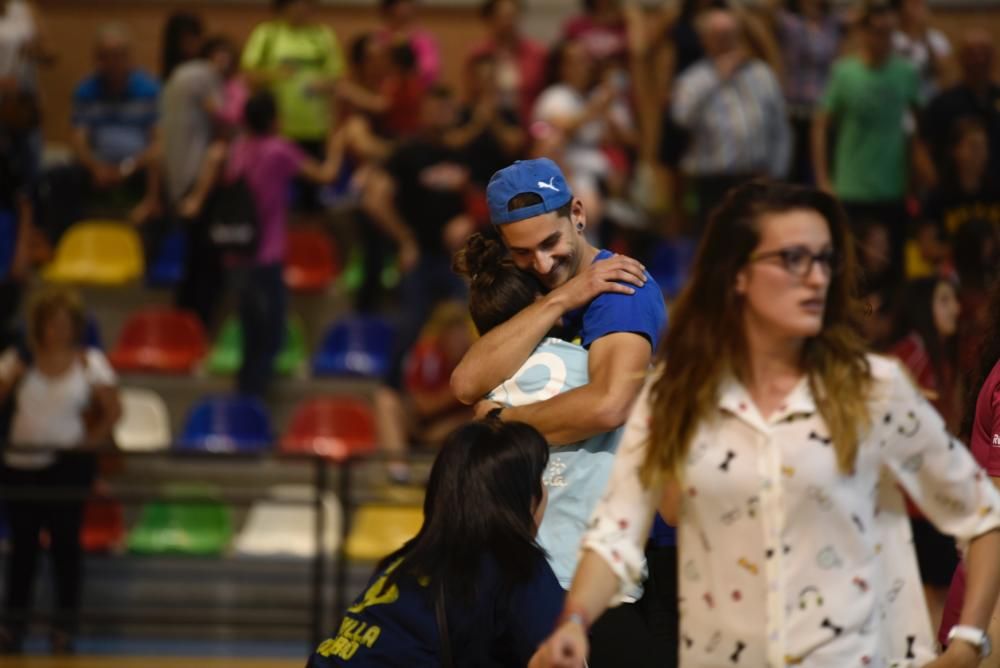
(520, 61)
(182, 41)
(981, 424)
(733, 108)
(16, 212)
(587, 114)
(300, 61)
(266, 163)
(488, 133)
(418, 200)
(23, 46)
(868, 99)
(927, 344)
(975, 94)
(809, 34)
(399, 28)
(115, 112)
(927, 48)
(600, 29)
(65, 399)
(977, 261)
(966, 192)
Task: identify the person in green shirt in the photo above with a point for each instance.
(868, 99)
(300, 60)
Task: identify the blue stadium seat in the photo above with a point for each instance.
(355, 346)
(670, 263)
(167, 268)
(227, 424)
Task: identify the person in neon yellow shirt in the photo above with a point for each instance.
(300, 60)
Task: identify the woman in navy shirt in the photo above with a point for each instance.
(476, 551)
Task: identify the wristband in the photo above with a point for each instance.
(575, 616)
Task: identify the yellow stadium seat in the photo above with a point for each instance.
(376, 531)
(97, 253)
(916, 265)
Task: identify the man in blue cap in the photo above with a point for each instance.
(617, 311)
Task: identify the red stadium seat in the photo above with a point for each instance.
(103, 526)
(337, 428)
(162, 340)
(311, 263)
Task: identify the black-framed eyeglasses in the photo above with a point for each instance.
(798, 260)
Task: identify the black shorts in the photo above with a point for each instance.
(307, 193)
(936, 553)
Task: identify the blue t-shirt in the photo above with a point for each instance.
(118, 127)
(577, 474)
(642, 313)
(398, 627)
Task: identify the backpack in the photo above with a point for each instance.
(232, 220)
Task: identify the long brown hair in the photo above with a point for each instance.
(988, 356)
(704, 341)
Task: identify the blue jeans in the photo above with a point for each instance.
(263, 302)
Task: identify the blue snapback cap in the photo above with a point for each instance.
(541, 177)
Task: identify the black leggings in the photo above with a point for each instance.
(70, 474)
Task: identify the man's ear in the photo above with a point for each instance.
(578, 215)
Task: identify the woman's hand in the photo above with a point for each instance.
(958, 655)
(566, 648)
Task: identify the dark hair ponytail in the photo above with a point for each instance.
(497, 289)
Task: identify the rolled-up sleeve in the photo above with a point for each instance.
(935, 469)
(620, 524)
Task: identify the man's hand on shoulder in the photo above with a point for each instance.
(603, 276)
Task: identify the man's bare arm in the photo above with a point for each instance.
(618, 364)
(500, 352)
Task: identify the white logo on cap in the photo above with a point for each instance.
(543, 184)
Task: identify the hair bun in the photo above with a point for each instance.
(481, 258)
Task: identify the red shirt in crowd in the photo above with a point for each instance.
(984, 443)
(521, 73)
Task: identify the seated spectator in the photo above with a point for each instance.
(472, 588)
(266, 164)
(65, 399)
(183, 37)
(520, 61)
(926, 47)
(872, 154)
(399, 28)
(427, 410)
(488, 132)
(114, 136)
(733, 108)
(977, 261)
(926, 343)
(299, 59)
(587, 114)
(967, 191)
(975, 94)
(417, 200)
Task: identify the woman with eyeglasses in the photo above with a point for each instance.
(764, 434)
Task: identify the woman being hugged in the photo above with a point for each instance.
(765, 433)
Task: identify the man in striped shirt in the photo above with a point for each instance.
(733, 108)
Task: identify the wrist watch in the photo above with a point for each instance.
(975, 637)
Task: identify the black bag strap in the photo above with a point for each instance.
(442, 622)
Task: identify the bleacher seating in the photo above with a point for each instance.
(160, 339)
(227, 353)
(285, 524)
(355, 346)
(145, 422)
(97, 253)
(311, 262)
(335, 427)
(227, 424)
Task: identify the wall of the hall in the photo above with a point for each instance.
(72, 24)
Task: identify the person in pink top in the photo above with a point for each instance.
(267, 163)
(520, 61)
(982, 427)
(399, 19)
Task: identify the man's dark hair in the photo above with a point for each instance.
(524, 200)
(403, 57)
(873, 10)
(260, 113)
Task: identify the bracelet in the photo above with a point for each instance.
(575, 616)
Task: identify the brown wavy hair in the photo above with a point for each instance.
(704, 341)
